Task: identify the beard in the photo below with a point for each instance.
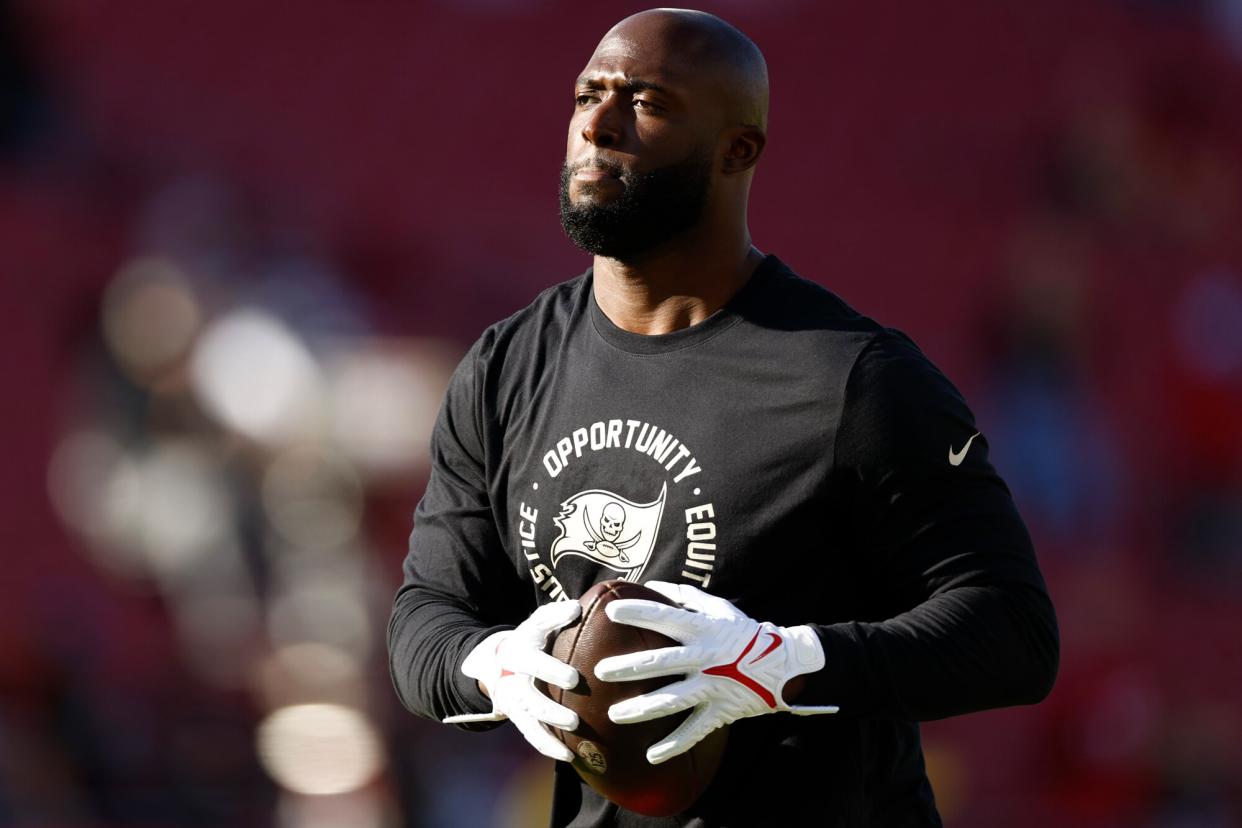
(653, 208)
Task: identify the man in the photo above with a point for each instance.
(692, 415)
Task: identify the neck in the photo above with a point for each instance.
(668, 290)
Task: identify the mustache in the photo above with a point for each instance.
(611, 167)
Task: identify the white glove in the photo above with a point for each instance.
(734, 666)
(507, 664)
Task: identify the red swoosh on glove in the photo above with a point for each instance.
(776, 642)
(731, 671)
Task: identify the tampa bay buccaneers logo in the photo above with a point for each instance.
(609, 529)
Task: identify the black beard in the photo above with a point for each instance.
(654, 207)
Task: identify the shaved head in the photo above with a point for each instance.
(705, 44)
(670, 118)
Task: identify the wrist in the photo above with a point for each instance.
(805, 656)
(806, 651)
(793, 688)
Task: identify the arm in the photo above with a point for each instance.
(962, 620)
(458, 585)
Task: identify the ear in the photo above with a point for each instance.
(745, 145)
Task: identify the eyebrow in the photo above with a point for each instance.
(631, 84)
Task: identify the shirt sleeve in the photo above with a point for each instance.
(459, 586)
(956, 616)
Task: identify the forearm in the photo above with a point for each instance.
(954, 615)
(966, 649)
(428, 636)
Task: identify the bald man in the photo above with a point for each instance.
(808, 490)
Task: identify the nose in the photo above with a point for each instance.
(603, 123)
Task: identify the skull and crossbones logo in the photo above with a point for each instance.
(606, 540)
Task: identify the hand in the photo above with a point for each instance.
(734, 666)
(507, 663)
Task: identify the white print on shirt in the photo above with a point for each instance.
(636, 435)
(609, 529)
(606, 528)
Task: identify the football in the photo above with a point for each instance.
(611, 758)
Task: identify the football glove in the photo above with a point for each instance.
(734, 666)
(507, 663)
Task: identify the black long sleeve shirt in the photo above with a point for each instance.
(788, 454)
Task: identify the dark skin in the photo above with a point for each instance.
(661, 86)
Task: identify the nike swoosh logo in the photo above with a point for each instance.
(956, 457)
(776, 642)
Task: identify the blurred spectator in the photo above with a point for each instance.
(1048, 432)
(23, 98)
(1204, 394)
(1199, 770)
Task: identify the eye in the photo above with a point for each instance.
(584, 98)
(650, 107)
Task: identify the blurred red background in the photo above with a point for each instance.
(244, 243)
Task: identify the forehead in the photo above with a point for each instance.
(620, 58)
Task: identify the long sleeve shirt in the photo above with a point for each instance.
(787, 453)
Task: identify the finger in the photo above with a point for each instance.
(688, 734)
(549, 618)
(544, 709)
(693, 598)
(668, 589)
(811, 710)
(540, 739)
(466, 718)
(666, 661)
(675, 622)
(678, 696)
(540, 665)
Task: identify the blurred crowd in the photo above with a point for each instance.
(243, 250)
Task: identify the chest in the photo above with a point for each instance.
(712, 467)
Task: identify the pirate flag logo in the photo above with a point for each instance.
(609, 529)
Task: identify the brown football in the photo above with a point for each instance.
(612, 758)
